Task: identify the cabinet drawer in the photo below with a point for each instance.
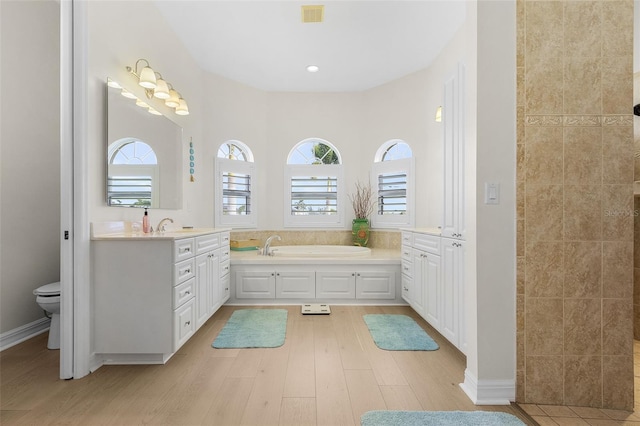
(205, 243)
(184, 270)
(407, 238)
(224, 253)
(183, 249)
(428, 243)
(184, 324)
(225, 239)
(407, 268)
(225, 286)
(225, 267)
(405, 252)
(407, 282)
(183, 292)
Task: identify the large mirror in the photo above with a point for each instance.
(144, 154)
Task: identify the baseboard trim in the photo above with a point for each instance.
(488, 392)
(22, 333)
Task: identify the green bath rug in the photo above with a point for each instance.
(439, 418)
(398, 333)
(253, 328)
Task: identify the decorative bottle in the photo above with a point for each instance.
(145, 221)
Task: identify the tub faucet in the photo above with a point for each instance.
(161, 226)
(267, 245)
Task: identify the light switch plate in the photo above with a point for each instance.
(491, 193)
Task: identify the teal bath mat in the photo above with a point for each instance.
(253, 328)
(439, 418)
(398, 333)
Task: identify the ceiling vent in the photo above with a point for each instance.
(312, 13)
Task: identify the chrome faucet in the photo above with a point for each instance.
(161, 226)
(266, 251)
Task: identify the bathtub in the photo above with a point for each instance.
(321, 251)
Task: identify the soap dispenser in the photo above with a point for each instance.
(145, 221)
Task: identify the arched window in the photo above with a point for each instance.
(132, 174)
(393, 183)
(235, 192)
(314, 176)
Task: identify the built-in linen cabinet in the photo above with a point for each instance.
(454, 225)
(453, 319)
(433, 282)
(150, 295)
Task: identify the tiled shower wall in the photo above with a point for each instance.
(575, 203)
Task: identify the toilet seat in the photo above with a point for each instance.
(48, 290)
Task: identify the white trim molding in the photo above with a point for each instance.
(24, 332)
(488, 392)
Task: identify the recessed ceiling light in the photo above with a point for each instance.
(312, 68)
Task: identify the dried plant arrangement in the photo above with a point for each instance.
(362, 200)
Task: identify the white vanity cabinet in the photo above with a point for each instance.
(271, 283)
(150, 295)
(433, 282)
(371, 282)
(335, 285)
(453, 318)
(319, 282)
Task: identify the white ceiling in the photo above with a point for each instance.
(361, 44)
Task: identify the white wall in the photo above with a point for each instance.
(119, 34)
(490, 287)
(270, 123)
(30, 157)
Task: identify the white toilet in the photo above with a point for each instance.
(48, 297)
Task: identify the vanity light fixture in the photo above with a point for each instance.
(156, 86)
(162, 88)
(173, 101)
(182, 108)
(439, 114)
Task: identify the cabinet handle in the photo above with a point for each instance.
(186, 293)
(187, 323)
(353, 275)
(272, 274)
(278, 274)
(185, 250)
(186, 271)
(226, 268)
(226, 289)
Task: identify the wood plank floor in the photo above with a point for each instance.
(328, 372)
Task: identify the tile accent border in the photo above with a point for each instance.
(578, 120)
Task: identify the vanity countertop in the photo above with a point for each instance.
(378, 256)
(431, 230)
(167, 235)
(109, 231)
